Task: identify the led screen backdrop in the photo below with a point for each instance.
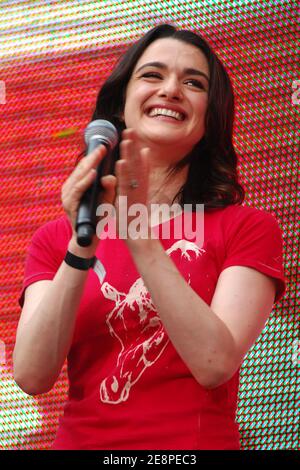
(53, 58)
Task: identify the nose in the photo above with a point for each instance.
(170, 88)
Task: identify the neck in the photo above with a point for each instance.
(163, 187)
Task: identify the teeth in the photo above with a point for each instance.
(166, 112)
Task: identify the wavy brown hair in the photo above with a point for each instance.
(212, 177)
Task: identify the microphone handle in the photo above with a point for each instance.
(86, 216)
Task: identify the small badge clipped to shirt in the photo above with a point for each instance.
(99, 270)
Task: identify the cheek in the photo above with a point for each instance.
(129, 113)
(138, 93)
(198, 124)
(201, 110)
(202, 104)
(132, 103)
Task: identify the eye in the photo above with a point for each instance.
(195, 83)
(151, 75)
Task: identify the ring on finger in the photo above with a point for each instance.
(133, 184)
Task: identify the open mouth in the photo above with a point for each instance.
(169, 113)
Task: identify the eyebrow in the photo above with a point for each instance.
(186, 71)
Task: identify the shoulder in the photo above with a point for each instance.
(241, 212)
(57, 227)
(235, 218)
(238, 216)
(253, 238)
(55, 233)
(248, 228)
(46, 251)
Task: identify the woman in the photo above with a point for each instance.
(154, 349)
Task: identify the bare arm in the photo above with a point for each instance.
(48, 317)
(211, 340)
(46, 328)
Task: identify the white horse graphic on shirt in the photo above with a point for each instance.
(135, 323)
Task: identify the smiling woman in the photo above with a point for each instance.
(154, 334)
(211, 176)
(165, 104)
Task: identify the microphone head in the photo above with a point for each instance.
(103, 130)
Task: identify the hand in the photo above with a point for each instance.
(80, 180)
(132, 172)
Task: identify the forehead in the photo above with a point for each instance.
(174, 52)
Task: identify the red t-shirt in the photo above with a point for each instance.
(129, 389)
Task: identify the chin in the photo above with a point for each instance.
(162, 142)
(161, 137)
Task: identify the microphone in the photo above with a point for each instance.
(97, 132)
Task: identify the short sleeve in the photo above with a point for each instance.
(46, 252)
(253, 239)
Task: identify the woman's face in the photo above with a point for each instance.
(167, 94)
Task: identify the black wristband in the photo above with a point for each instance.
(79, 263)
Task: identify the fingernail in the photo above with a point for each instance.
(97, 151)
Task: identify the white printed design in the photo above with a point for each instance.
(134, 322)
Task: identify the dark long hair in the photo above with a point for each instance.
(212, 176)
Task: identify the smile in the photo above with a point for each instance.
(166, 112)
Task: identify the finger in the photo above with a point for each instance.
(71, 195)
(129, 133)
(75, 191)
(92, 160)
(142, 176)
(129, 153)
(123, 176)
(98, 153)
(109, 184)
(126, 149)
(108, 181)
(145, 162)
(136, 168)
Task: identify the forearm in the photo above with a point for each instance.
(44, 338)
(200, 337)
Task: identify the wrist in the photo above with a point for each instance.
(77, 262)
(81, 251)
(142, 246)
